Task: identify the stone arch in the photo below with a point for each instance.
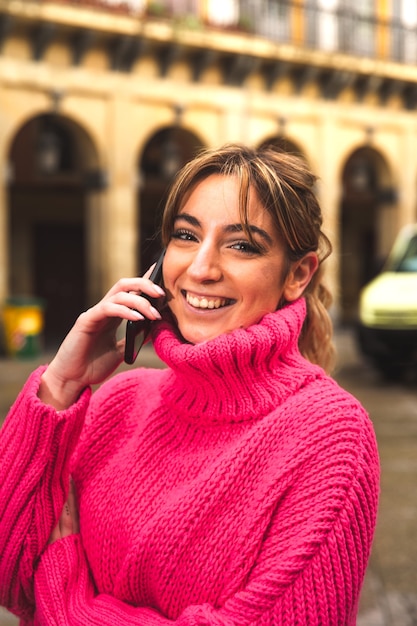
(53, 176)
(284, 143)
(367, 222)
(164, 153)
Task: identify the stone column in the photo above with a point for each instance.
(407, 178)
(4, 229)
(119, 207)
(329, 197)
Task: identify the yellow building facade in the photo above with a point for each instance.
(102, 101)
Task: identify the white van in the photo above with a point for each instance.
(387, 328)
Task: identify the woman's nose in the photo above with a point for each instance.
(206, 264)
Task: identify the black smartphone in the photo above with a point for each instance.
(137, 331)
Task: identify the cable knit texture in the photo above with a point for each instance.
(237, 486)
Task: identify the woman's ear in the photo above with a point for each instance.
(299, 276)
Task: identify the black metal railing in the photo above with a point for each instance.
(357, 31)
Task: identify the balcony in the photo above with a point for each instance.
(337, 50)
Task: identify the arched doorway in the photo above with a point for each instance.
(367, 224)
(283, 143)
(52, 165)
(164, 154)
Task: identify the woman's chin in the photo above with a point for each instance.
(196, 336)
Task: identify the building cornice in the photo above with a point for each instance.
(127, 38)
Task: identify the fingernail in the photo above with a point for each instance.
(138, 315)
(159, 290)
(156, 312)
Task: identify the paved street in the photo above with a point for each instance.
(389, 596)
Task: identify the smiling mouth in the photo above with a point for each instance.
(199, 302)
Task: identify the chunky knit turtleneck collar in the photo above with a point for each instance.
(239, 375)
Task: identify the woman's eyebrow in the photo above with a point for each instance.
(230, 228)
(193, 221)
(238, 228)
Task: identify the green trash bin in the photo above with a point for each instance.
(23, 322)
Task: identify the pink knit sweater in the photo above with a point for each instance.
(239, 486)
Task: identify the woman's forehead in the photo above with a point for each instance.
(218, 198)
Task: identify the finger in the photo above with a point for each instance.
(127, 306)
(149, 271)
(140, 301)
(120, 305)
(136, 285)
(55, 535)
(68, 521)
(66, 525)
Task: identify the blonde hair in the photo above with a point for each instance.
(285, 187)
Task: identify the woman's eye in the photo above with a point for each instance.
(246, 247)
(184, 235)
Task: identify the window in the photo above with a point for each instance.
(135, 6)
(268, 18)
(183, 7)
(223, 12)
(404, 31)
(364, 31)
(322, 22)
(408, 262)
(274, 20)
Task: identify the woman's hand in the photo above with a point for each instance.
(68, 522)
(91, 352)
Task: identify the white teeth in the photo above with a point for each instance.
(205, 303)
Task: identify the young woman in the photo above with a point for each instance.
(237, 486)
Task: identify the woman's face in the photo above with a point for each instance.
(215, 280)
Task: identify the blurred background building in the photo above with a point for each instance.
(102, 101)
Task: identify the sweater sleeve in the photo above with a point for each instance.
(310, 567)
(36, 443)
